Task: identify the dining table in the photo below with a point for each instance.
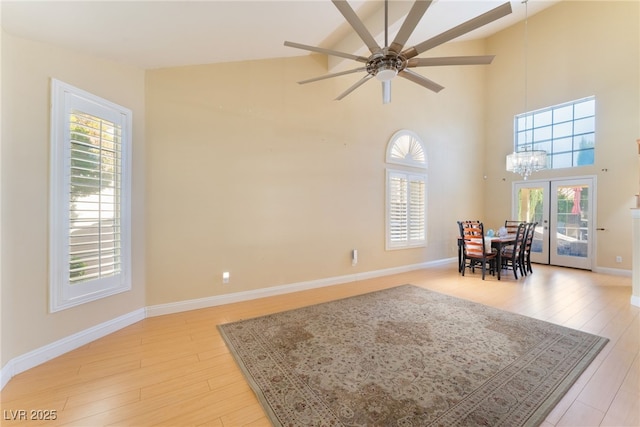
(497, 242)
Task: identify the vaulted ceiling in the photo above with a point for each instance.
(157, 34)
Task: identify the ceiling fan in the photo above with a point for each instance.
(390, 61)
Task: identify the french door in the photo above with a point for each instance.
(563, 209)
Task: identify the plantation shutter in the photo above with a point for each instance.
(90, 231)
(406, 210)
(94, 207)
(398, 224)
(416, 207)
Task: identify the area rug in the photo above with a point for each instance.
(407, 356)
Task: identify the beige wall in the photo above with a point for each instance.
(275, 182)
(26, 71)
(2, 358)
(576, 49)
(236, 167)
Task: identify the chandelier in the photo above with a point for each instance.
(527, 161)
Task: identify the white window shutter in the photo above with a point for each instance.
(416, 210)
(90, 202)
(406, 206)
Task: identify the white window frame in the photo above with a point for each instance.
(558, 133)
(407, 149)
(63, 294)
(407, 152)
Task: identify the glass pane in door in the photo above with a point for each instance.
(572, 221)
(530, 208)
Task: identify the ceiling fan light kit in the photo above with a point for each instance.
(385, 68)
(385, 63)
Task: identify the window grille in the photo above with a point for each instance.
(565, 131)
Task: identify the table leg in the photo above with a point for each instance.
(499, 258)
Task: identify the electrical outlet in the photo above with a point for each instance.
(354, 257)
(225, 277)
(618, 258)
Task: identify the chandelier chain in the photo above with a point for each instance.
(527, 161)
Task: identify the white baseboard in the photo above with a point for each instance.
(40, 355)
(635, 300)
(612, 271)
(194, 304)
(55, 349)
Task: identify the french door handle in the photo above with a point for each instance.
(600, 229)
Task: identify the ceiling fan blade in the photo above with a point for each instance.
(421, 80)
(326, 51)
(450, 60)
(328, 76)
(386, 92)
(354, 87)
(410, 22)
(461, 29)
(357, 25)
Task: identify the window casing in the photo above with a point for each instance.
(406, 186)
(565, 131)
(90, 235)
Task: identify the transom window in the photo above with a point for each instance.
(565, 131)
(406, 148)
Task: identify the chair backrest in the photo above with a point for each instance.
(461, 226)
(512, 225)
(531, 230)
(473, 236)
(521, 237)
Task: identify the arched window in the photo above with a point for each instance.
(406, 148)
(406, 205)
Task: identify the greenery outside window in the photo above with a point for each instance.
(90, 204)
(565, 131)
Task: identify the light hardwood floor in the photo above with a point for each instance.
(176, 369)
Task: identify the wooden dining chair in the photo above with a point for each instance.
(512, 225)
(475, 253)
(461, 259)
(526, 252)
(512, 256)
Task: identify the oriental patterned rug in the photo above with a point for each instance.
(407, 356)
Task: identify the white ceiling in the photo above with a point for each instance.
(157, 34)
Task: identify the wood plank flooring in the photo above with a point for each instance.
(176, 369)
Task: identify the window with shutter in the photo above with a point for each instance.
(90, 185)
(406, 192)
